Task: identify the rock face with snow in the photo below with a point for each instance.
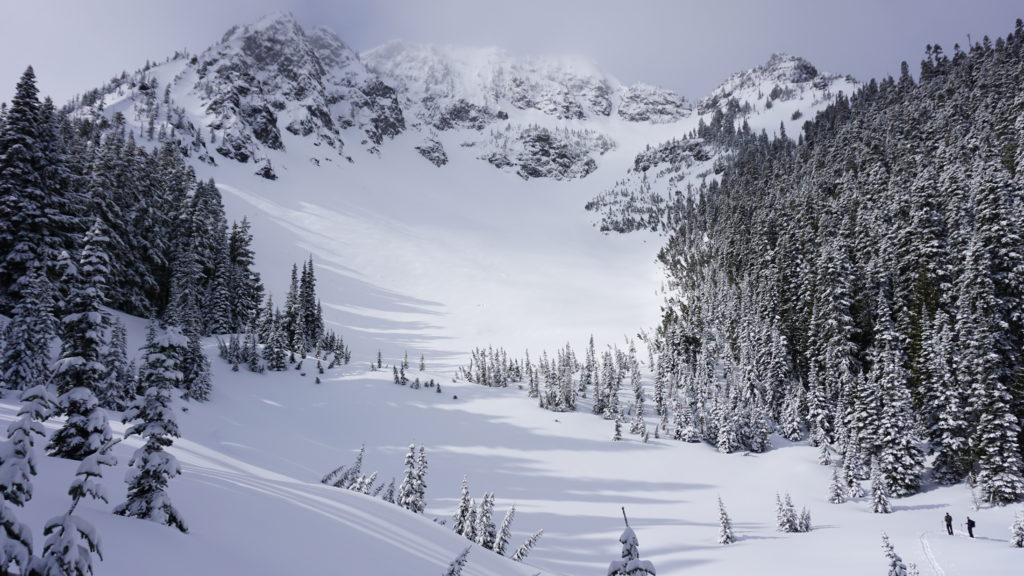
(273, 76)
(272, 85)
(775, 96)
(783, 78)
(646, 103)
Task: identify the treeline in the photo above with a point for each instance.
(865, 286)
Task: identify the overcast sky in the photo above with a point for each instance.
(688, 46)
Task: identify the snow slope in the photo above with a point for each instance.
(253, 457)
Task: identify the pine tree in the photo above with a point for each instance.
(1017, 531)
(72, 540)
(244, 284)
(412, 492)
(505, 532)
(80, 372)
(725, 535)
(1000, 476)
(153, 467)
(803, 522)
(523, 551)
(456, 566)
(275, 352)
(35, 223)
(786, 519)
(896, 565)
(630, 564)
(17, 466)
(879, 492)
(461, 516)
(837, 489)
(25, 342)
(485, 529)
(117, 390)
(195, 370)
(900, 461)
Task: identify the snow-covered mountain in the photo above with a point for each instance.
(273, 76)
(775, 97)
(268, 85)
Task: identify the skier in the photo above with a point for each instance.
(949, 523)
(970, 527)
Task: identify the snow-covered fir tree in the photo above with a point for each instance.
(501, 542)
(17, 467)
(485, 529)
(896, 565)
(725, 534)
(630, 564)
(70, 539)
(25, 341)
(79, 373)
(462, 513)
(786, 519)
(412, 492)
(153, 413)
(837, 489)
(456, 566)
(879, 492)
(524, 550)
(1017, 531)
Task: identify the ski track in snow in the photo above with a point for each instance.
(926, 547)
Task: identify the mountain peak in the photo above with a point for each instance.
(783, 77)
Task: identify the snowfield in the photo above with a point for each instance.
(253, 457)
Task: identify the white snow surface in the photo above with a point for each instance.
(253, 455)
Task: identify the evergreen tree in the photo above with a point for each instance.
(25, 342)
(118, 389)
(786, 519)
(17, 466)
(630, 564)
(505, 532)
(725, 535)
(879, 492)
(485, 529)
(523, 551)
(412, 492)
(244, 284)
(72, 540)
(80, 372)
(900, 461)
(461, 517)
(837, 489)
(1000, 476)
(156, 423)
(896, 565)
(34, 224)
(456, 566)
(1017, 531)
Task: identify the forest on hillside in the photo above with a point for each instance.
(865, 284)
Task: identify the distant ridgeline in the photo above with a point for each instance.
(866, 284)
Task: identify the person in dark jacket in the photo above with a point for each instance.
(949, 523)
(970, 527)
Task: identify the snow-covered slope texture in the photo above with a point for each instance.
(253, 456)
(532, 104)
(265, 86)
(775, 98)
